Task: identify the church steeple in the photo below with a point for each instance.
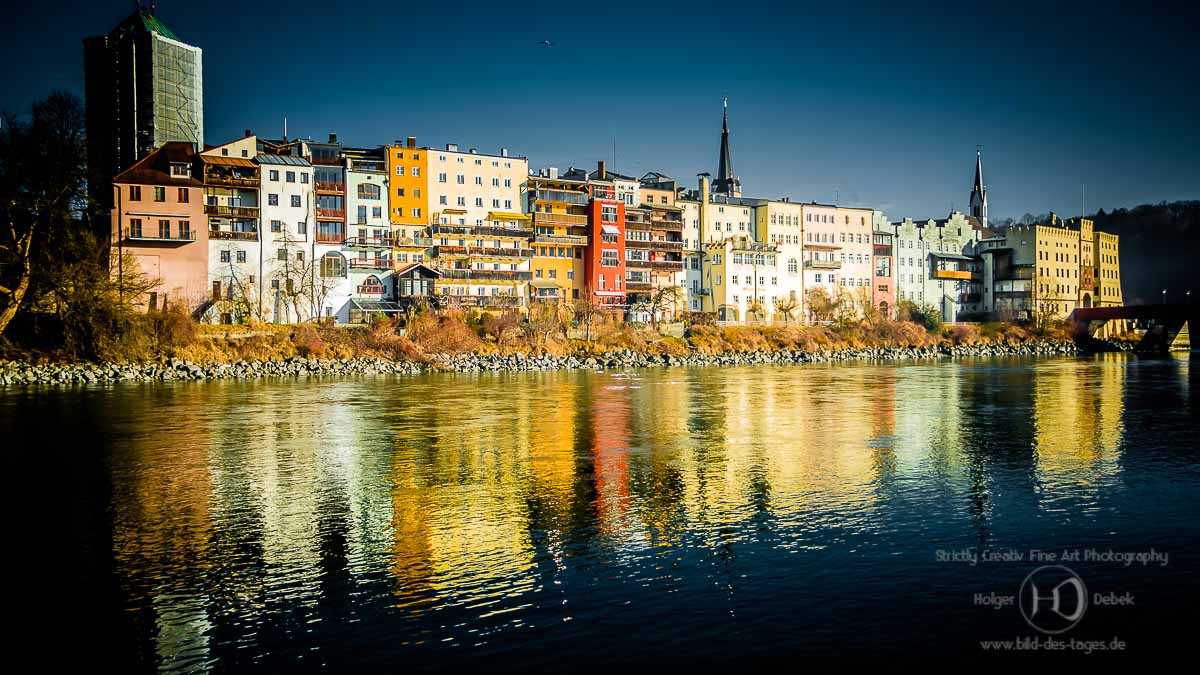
(979, 206)
(726, 183)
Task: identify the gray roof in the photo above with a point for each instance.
(289, 160)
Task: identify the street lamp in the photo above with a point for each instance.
(1164, 296)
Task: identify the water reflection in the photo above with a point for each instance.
(259, 523)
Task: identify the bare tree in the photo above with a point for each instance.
(821, 306)
(786, 307)
(586, 311)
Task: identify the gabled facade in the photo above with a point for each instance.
(231, 204)
(158, 220)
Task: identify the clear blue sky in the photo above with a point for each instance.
(878, 105)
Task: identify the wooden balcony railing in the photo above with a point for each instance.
(232, 181)
(231, 211)
(331, 214)
(664, 245)
(485, 275)
(561, 239)
(559, 219)
(325, 186)
(369, 242)
(372, 289)
(236, 236)
(667, 265)
(330, 237)
(176, 238)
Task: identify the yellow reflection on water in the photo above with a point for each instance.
(1078, 411)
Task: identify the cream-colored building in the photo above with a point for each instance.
(480, 235)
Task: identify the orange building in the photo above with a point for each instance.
(408, 200)
(158, 219)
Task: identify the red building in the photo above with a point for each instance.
(605, 252)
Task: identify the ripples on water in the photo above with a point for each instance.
(713, 513)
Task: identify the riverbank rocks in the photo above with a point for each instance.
(15, 373)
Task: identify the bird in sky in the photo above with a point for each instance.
(547, 43)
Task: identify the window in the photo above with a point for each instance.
(273, 200)
(241, 256)
(333, 265)
(304, 179)
(296, 200)
(281, 254)
(416, 213)
(441, 177)
(299, 256)
(399, 170)
(302, 228)
(460, 178)
(275, 175)
(224, 257)
(290, 176)
(160, 194)
(135, 227)
(164, 229)
(135, 193)
(183, 196)
(416, 171)
(368, 191)
(185, 230)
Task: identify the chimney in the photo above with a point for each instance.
(504, 152)
(452, 147)
(473, 151)
(412, 141)
(333, 138)
(554, 172)
(601, 171)
(1053, 218)
(249, 133)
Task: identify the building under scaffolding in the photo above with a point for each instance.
(143, 88)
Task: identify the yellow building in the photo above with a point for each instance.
(745, 276)
(408, 200)
(558, 207)
(1108, 270)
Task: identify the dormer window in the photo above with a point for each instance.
(225, 152)
(181, 169)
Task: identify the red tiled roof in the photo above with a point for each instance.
(155, 168)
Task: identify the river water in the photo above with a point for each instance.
(719, 518)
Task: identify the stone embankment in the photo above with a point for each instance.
(174, 369)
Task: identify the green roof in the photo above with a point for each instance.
(149, 23)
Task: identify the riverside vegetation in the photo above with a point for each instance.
(169, 345)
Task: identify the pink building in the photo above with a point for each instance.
(158, 219)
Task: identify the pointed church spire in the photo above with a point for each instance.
(726, 183)
(979, 207)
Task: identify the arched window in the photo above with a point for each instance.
(368, 191)
(333, 265)
(792, 267)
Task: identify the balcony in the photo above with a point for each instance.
(482, 300)
(635, 286)
(235, 236)
(700, 291)
(639, 264)
(822, 264)
(368, 166)
(247, 182)
(332, 188)
(377, 263)
(964, 275)
(231, 211)
(442, 250)
(636, 224)
(330, 237)
(667, 265)
(369, 242)
(560, 219)
(1015, 273)
(177, 238)
(561, 239)
(637, 243)
(331, 214)
(672, 225)
(485, 275)
(374, 290)
(561, 196)
(486, 251)
(412, 242)
(480, 231)
(882, 250)
(664, 245)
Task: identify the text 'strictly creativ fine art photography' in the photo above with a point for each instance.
(395, 337)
